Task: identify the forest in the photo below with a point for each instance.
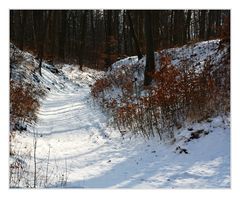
(119, 98)
(97, 38)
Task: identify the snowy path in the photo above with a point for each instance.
(98, 157)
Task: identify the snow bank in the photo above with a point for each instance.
(193, 55)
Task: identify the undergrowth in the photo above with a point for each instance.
(178, 94)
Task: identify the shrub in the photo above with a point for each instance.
(23, 105)
(178, 94)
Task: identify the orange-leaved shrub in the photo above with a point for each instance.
(23, 104)
(177, 95)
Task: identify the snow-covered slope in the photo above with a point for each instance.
(80, 145)
(193, 56)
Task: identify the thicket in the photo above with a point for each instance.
(178, 94)
(23, 105)
(24, 95)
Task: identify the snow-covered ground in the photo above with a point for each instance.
(97, 156)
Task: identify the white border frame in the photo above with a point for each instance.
(121, 4)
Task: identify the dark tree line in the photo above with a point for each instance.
(97, 38)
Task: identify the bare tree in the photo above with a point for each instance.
(202, 24)
(133, 34)
(82, 38)
(150, 64)
(40, 25)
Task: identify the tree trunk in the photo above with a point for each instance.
(218, 22)
(125, 34)
(179, 21)
(40, 30)
(109, 36)
(23, 24)
(82, 39)
(150, 63)
(93, 34)
(202, 25)
(139, 54)
(187, 25)
(171, 41)
(62, 35)
(52, 33)
(117, 34)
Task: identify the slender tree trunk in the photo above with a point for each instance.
(117, 34)
(179, 21)
(155, 28)
(141, 39)
(125, 34)
(93, 35)
(202, 24)
(22, 33)
(139, 54)
(40, 31)
(196, 24)
(218, 22)
(210, 24)
(187, 25)
(12, 25)
(171, 28)
(62, 38)
(82, 39)
(52, 33)
(109, 36)
(150, 63)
